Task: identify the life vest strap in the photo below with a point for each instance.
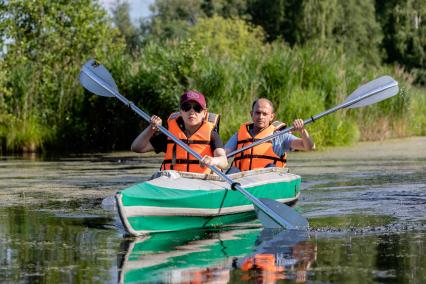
(250, 140)
(205, 142)
(180, 161)
(248, 156)
(173, 156)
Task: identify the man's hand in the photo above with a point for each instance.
(298, 125)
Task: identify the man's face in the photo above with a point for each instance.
(262, 114)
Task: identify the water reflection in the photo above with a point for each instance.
(217, 257)
(278, 256)
(366, 206)
(62, 247)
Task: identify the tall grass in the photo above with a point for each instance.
(416, 115)
(29, 135)
(301, 82)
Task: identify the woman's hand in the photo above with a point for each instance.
(219, 160)
(155, 122)
(207, 160)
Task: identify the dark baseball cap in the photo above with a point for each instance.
(195, 97)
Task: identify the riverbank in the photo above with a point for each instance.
(397, 150)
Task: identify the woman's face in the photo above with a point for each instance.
(192, 113)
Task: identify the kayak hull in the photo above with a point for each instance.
(174, 201)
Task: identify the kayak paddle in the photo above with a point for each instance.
(374, 91)
(95, 78)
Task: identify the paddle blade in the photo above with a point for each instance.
(95, 78)
(375, 91)
(295, 220)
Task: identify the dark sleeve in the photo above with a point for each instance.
(215, 141)
(159, 142)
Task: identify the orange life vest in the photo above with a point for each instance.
(178, 159)
(260, 155)
(263, 261)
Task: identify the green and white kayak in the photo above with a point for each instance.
(174, 201)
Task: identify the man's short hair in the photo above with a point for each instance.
(265, 99)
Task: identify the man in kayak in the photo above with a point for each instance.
(194, 126)
(267, 154)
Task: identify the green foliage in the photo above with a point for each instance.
(304, 82)
(48, 41)
(227, 61)
(405, 34)
(5, 116)
(351, 24)
(164, 72)
(172, 18)
(170, 10)
(225, 8)
(319, 20)
(27, 134)
(121, 19)
(415, 115)
(270, 14)
(348, 24)
(357, 30)
(198, 44)
(227, 38)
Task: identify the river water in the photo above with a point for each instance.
(366, 205)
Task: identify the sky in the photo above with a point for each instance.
(138, 8)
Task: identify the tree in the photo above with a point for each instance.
(404, 26)
(47, 42)
(225, 8)
(121, 18)
(172, 18)
(351, 24)
(319, 21)
(358, 30)
(231, 38)
(270, 15)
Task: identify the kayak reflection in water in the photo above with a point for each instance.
(288, 255)
(218, 257)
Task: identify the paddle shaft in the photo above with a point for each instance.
(233, 184)
(315, 117)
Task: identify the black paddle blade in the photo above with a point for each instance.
(375, 91)
(95, 78)
(294, 220)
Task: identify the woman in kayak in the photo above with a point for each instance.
(194, 126)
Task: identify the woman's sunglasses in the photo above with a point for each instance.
(187, 107)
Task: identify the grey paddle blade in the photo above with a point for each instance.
(295, 220)
(375, 91)
(95, 78)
